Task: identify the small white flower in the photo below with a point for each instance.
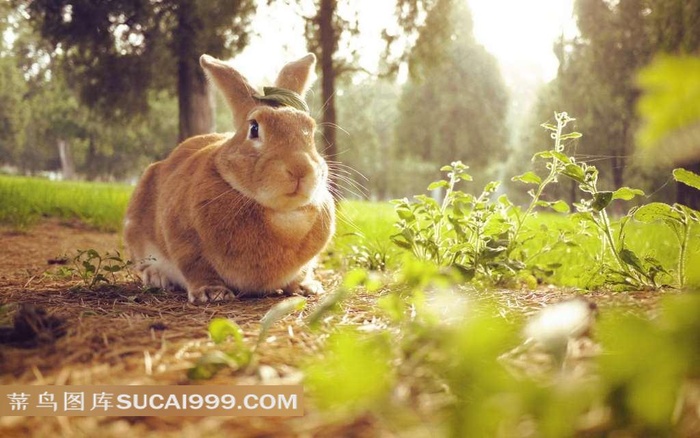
(555, 325)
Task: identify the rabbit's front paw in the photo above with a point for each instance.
(207, 294)
(305, 288)
(154, 277)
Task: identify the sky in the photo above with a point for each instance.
(519, 33)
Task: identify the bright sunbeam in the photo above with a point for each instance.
(520, 34)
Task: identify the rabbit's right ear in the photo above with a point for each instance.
(235, 88)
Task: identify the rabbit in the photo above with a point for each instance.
(228, 215)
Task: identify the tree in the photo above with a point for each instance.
(330, 35)
(13, 112)
(324, 32)
(368, 111)
(116, 52)
(455, 105)
(597, 81)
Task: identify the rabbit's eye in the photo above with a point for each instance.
(254, 130)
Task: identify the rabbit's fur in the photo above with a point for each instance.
(232, 214)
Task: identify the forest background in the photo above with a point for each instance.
(97, 90)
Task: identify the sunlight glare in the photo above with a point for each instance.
(522, 33)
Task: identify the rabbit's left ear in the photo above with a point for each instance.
(235, 88)
(296, 76)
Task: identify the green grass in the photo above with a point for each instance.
(374, 221)
(578, 262)
(369, 225)
(24, 201)
(362, 226)
(363, 229)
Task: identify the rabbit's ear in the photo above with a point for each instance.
(235, 88)
(296, 76)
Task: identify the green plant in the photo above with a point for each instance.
(556, 166)
(628, 269)
(679, 218)
(493, 240)
(94, 268)
(225, 333)
(233, 351)
(460, 359)
(465, 231)
(371, 256)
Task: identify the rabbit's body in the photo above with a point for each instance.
(235, 214)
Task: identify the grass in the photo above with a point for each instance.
(363, 231)
(26, 200)
(578, 264)
(368, 225)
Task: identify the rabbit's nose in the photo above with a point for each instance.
(299, 176)
(296, 179)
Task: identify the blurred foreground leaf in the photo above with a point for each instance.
(670, 106)
(355, 373)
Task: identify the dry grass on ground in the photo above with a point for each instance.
(122, 335)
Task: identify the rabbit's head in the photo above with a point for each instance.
(272, 157)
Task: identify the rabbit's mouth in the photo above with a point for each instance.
(299, 194)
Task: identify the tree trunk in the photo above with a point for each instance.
(328, 45)
(67, 164)
(92, 170)
(195, 105)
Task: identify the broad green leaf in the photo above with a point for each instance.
(560, 206)
(602, 200)
(670, 104)
(282, 96)
(397, 240)
(427, 200)
(438, 184)
(356, 372)
(626, 193)
(561, 157)
(528, 178)
(629, 257)
(687, 177)
(221, 328)
(654, 212)
(575, 172)
(209, 364)
(504, 201)
(405, 214)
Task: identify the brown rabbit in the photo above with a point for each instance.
(243, 213)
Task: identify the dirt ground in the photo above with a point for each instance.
(124, 335)
(127, 336)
